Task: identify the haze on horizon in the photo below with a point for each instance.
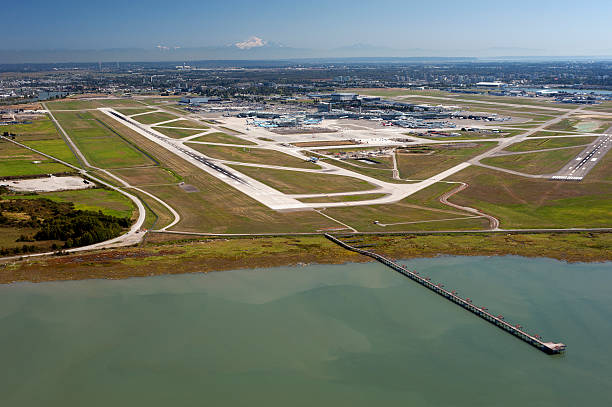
(234, 28)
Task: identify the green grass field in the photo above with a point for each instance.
(102, 146)
(564, 247)
(591, 126)
(470, 135)
(293, 182)
(385, 162)
(160, 100)
(420, 166)
(83, 104)
(176, 133)
(533, 203)
(73, 104)
(382, 173)
(27, 167)
(55, 148)
(546, 162)
(519, 101)
(134, 110)
(603, 127)
(564, 125)
(219, 208)
(252, 155)
(333, 151)
(402, 216)
(218, 137)
(428, 197)
(108, 201)
(43, 136)
(191, 124)
(546, 133)
(540, 144)
(157, 117)
(506, 109)
(180, 109)
(40, 129)
(603, 107)
(179, 254)
(524, 126)
(10, 235)
(230, 131)
(316, 143)
(421, 206)
(157, 215)
(120, 103)
(18, 161)
(342, 198)
(146, 176)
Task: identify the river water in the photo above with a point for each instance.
(348, 335)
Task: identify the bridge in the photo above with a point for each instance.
(536, 341)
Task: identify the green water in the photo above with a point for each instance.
(587, 127)
(350, 335)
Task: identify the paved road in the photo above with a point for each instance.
(543, 150)
(584, 162)
(279, 201)
(415, 232)
(520, 174)
(249, 186)
(493, 222)
(503, 143)
(271, 197)
(515, 105)
(396, 173)
(71, 144)
(394, 192)
(129, 237)
(132, 236)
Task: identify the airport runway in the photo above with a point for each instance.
(584, 162)
(271, 197)
(249, 186)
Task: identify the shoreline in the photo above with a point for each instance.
(162, 256)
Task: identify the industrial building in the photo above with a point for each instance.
(495, 84)
(343, 97)
(196, 101)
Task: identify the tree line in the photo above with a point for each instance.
(58, 221)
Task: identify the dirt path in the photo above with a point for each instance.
(493, 222)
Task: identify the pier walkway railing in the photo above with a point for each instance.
(533, 340)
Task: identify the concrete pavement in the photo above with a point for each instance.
(132, 236)
(584, 162)
(249, 186)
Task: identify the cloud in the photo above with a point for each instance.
(253, 42)
(165, 48)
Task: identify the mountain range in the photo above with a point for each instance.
(256, 48)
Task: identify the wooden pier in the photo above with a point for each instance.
(550, 348)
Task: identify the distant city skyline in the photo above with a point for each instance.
(472, 28)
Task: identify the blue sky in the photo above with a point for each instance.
(547, 27)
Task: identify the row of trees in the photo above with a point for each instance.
(81, 228)
(5, 251)
(58, 221)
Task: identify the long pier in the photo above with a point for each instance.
(550, 348)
